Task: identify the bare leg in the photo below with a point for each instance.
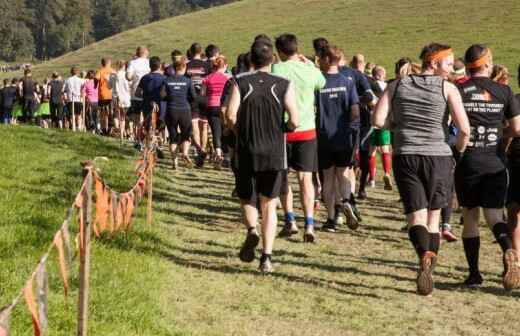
(269, 221)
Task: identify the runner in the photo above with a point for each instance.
(213, 85)
(197, 70)
(302, 143)
(103, 77)
(91, 94)
(419, 104)
(137, 68)
(122, 89)
(56, 101)
(72, 89)
(29, 96)
(212, 52)
(43, 111)
(481, 176)
(8, 97)
(149, 88)
(179, 93)
(262, 100)
(337, 125)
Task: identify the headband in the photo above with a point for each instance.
(459, 72)
(484, 59)
(439, 55)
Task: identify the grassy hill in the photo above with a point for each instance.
(182, 277)
(383, 30)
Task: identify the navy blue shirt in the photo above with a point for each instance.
(8, 97)
(334, 120)
(179, 93)
(151, 85)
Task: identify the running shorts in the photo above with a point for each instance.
(302, 156)
(136, 107)
(424, 182)
(178, 121)
(514, 185)
(381, 137)
(250, 184)
(480, 188)
(198, 108)
(105, 103)
(328, 159)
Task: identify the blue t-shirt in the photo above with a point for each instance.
(334, 121)
(151, 85)
(179, 93)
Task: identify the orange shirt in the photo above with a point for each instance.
(104, 89)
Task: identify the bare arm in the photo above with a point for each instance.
(291, 107)
(458, 115)
(513, 130)
(384, 107)
(233, 106)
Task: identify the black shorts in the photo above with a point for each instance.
(328, 159)
(302, 156)
(136, 107)
(178, 120)
(486, 190)
(250, 184)
(199, 107)
(424, 182)
(514, 185)
(78, 108)
(105, 103)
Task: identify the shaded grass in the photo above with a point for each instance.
(183, 276)
(383, 30)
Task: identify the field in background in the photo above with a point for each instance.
(383, 30)
(183, 276)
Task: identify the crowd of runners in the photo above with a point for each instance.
(446, 128)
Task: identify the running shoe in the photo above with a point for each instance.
(350, 213)
(362, 195)
(388, 182)
(425, 282)
(338, 218)
(266, 266)
(247, 252)
(446, 233)
(473, 280)
(512, 274)
(372, 183)
(199, 161)
(289, 229)
(187, 161)
(308, 235)
(330, 226)
(160, 154)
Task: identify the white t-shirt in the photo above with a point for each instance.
(122, 87)
(137, 68)
(72, 89)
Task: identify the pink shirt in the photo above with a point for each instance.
(214, 84)
(90, 91)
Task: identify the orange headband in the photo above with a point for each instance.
(439, 55)
(480, 61)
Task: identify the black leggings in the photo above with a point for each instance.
(213, 114)
(364, 158)
(178, 120)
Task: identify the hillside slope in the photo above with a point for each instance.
(383, 30)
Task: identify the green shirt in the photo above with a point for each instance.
(307, 79)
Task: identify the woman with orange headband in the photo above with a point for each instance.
(481, 176)
(417, 108)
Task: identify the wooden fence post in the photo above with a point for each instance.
(84, 267)
(150, 196)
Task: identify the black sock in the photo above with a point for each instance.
(472, 250)
(420, 238)
(501, 232)
(264, 257)
(435, 242)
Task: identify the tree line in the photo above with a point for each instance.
(43, 29)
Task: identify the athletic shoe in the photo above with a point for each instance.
(160, 154)
(350, 214)
(289, 229)
(424, 277)
(447, 235)
(266, 266)
(338, 218)
(308, 235)
(372, 184)
(138, 146)
(388, 182)
(473, 280)
(512, 275)
(329, 226)
(247, 252)
(199, 160)
(187, 161)
(362, 195)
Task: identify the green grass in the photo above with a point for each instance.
(183, 276)
(383, 30)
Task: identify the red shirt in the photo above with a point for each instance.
(214, 84)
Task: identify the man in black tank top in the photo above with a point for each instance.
(481, 177)
(256, 110)
(417, 108)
